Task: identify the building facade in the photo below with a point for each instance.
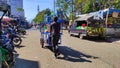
(16, 7)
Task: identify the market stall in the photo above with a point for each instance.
(101, 23)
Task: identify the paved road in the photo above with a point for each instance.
(75, 53)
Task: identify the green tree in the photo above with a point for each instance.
(40, 16)
(79, 6)
(85, 6)
(65, 6)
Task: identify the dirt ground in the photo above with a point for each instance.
(75, 53)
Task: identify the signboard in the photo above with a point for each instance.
(115, 14)
(19, 9)
(98, 15)
(16, 8)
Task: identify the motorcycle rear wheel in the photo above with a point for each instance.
(16, 41)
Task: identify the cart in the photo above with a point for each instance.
(45, 37)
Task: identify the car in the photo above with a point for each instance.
(78, 28)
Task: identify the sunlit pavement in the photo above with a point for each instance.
(75, 53)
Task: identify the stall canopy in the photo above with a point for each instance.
(110, 11)
(84, 17)
(98, 15)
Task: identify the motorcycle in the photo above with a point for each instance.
(15, 38)
(7, 42)
(6, 48)
(20, 30)
(7, 57)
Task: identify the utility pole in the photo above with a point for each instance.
(38, 9)
(72, 9)
(54, 6)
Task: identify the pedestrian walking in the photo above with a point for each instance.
(55, 35)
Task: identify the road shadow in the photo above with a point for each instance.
(22, 36)
(93, 38)
(23, 63)
(100, 39)
(16, 55)
(72, 55)
(114, 39)
(20, 46)
(107, 40)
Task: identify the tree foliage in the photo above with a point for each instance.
(73, 7)
(40, 16)
(65, 6)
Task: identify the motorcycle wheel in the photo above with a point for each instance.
(24, 32)
(16, 41)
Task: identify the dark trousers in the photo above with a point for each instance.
(55, 39)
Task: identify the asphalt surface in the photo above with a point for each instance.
(75, 53)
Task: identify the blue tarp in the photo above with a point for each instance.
(111, 11)
(60, 21)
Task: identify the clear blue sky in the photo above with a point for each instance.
(30, 7)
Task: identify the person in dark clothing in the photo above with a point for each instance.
(55, 35)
